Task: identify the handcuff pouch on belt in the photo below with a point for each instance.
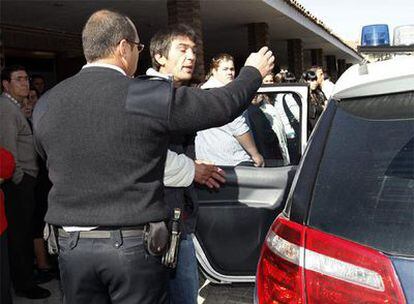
(50, 235)
(169, 259)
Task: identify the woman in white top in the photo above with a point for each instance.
(232, 143)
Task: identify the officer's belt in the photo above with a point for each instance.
(104, 233)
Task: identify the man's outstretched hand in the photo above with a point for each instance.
(263, 60)
(208, 174)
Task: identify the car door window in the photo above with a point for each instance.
(276, 121)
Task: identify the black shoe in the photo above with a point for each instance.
(42, 276)
(34, 292)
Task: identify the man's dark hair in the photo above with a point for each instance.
(102, 33)
(161, 41)
(7, 71)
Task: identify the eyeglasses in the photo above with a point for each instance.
(140, 46)
(21, 79)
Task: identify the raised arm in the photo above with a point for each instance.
(194, 109)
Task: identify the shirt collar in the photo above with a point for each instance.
(212, 83)
(105, 65)
(12, 99)
(154, 73)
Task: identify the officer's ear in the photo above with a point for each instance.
(124, 48)
(160, 59)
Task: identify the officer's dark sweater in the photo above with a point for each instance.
(106, 160)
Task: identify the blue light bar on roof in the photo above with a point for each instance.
(375, 35)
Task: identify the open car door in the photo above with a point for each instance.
(233, 221)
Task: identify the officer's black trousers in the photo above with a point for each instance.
(112, 270)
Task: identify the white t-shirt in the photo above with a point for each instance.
(219, 145)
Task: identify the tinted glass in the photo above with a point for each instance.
(365, 186)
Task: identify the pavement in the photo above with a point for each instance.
(225, 294)
(208, 294)
(55, 298)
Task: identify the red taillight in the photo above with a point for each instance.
(279, 276)
(303, 265)
(340, 271)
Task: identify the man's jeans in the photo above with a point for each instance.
(183, 285)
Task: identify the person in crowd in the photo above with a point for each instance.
(319, 74)
(274, 114)
(33, 96)
(264, 136)
(7, 166)
(38, 82)
(107, 169)
(278, 78)
(173, 55)
(317, 99)
(327, 85)
(28, 104)
(27, 109)
(269, 79)
(44, 268)
(288, 105)
(44, 271)
(232, 143)
(16, 136)
(289, 78)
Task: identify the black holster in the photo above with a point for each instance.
(156, 238)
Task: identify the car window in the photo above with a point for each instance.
(274, 120)
(365, 185)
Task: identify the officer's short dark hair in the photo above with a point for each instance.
(8, 70)
(102, 33)
(161, 42)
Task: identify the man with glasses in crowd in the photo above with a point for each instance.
(105, 137)
(16, 136)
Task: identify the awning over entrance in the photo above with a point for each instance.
(227, 26)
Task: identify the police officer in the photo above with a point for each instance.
(105, 138)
